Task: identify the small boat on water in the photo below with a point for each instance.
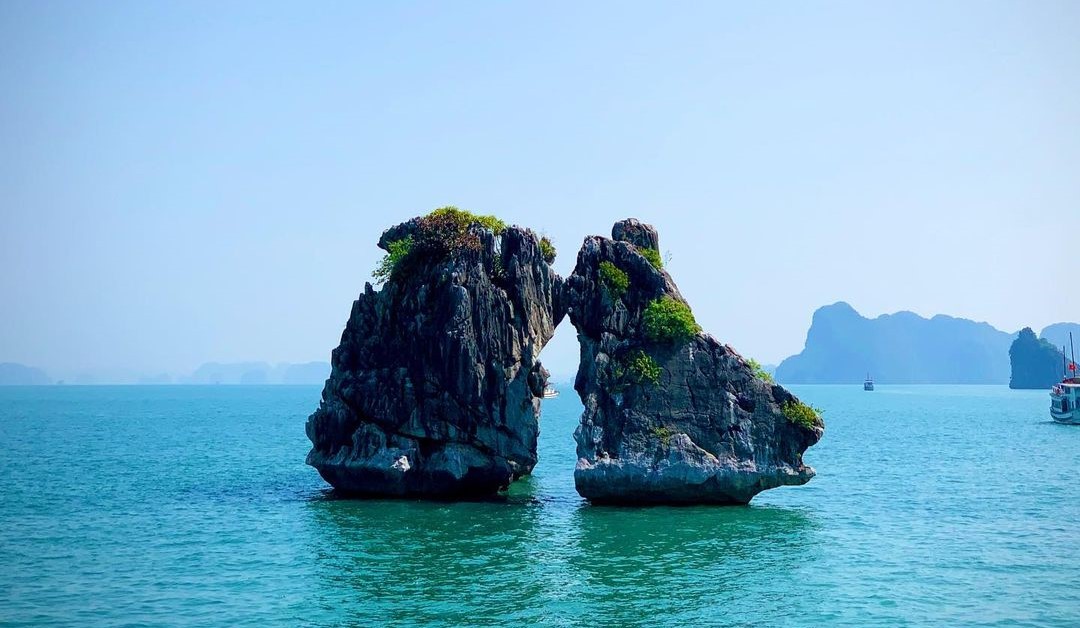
(1065, 396)
(868, 384)
(550, 393)
(1063, 400)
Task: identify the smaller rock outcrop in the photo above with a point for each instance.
(671, 415)
(435, 388)
(1036, 364)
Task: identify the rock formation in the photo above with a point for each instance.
(435, 388)
(671, 415)
(1036, 364)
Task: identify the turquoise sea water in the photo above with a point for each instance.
(933, 505)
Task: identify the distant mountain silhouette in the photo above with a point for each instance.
(307, 373)
(227, 373)
(903, 348)
(1058, 335)
(13, 374)
(1035, 363)
(259, 373)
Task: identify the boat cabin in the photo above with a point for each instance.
(1064, 399)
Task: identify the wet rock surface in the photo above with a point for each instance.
(669, 421)
(435, 387)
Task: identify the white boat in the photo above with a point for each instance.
(868, 384)
(550, 393)
(1065, 396)
(1063, 400)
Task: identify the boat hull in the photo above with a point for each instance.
(1066, 418)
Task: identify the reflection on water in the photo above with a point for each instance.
(638, 562)
(423, 561)
(542, 555)
(527, 561)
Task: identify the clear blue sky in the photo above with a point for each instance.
(189, 182)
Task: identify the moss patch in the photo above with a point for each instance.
(668, 320)
(801, 414)
(464, 219)
(547, 249)
(614, 279)
(641, 368)
(758, 371)
(399, 250)
(663, 433)
(653, 256)
(440, 234)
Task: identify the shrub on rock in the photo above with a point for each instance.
(669, 320)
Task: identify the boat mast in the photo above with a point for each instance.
(1072, 350)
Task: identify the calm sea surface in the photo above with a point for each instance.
(942, 505)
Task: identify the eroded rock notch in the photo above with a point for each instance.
(671, 415)
(435, 388)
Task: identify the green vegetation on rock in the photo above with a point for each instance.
(663, 433)
(641, 368)
(758, 371)
(615, 280)
(669, 320)
(547, 249)
(464, 219)
(801, 414)
(399, 250)
(438, 235)
(653, 256)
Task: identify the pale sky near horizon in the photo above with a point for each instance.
(192, 182)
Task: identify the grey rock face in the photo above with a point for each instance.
(706, 431)
(435, 388)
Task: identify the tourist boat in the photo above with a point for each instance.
(1063, 400)
(868, 384)
(550, 393)
(1065, 396)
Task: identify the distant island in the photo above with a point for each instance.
(259, 373)
(235, 373)
(1058, 335)
(13, 374)
(842, 346)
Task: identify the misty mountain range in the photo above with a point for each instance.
(235, 373)
(843, 346)
(259, 373)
